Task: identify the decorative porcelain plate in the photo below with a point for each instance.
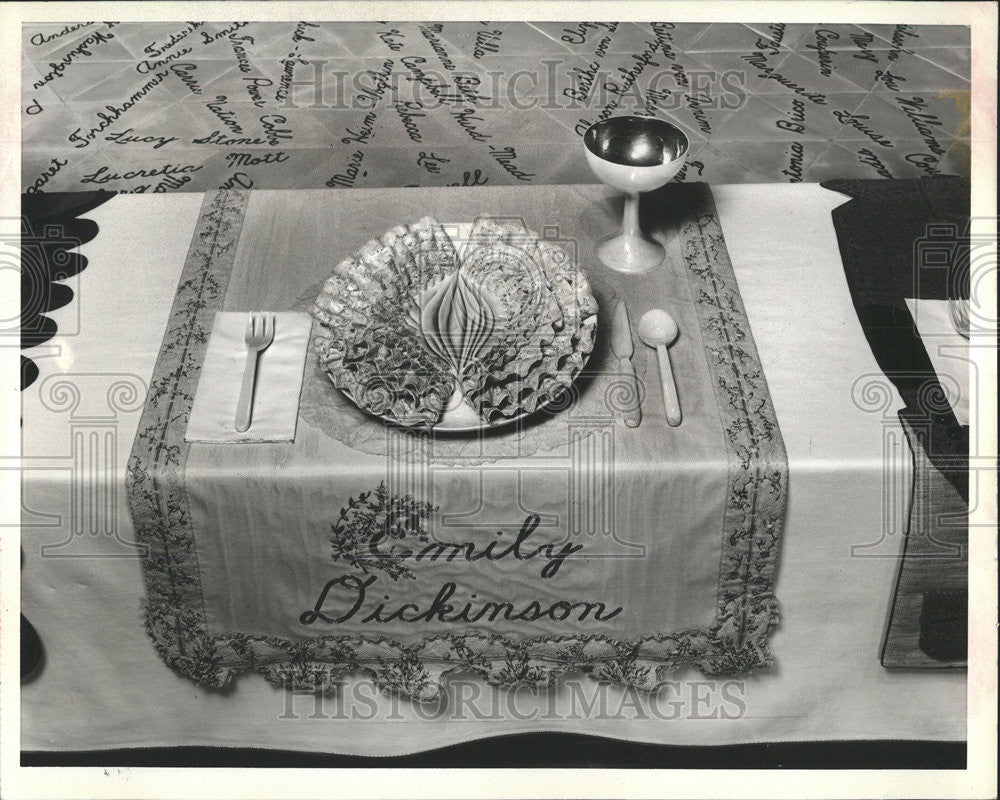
(455, 327)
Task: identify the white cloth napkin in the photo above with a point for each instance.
(278, 385)
(947, 349)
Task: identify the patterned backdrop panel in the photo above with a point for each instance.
(190, 106)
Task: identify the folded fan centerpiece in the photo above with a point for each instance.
(415, 333)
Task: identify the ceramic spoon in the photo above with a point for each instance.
(658, 330)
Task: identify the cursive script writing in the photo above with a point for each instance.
(217, 137)
(226, 116)
(391, 39)
(863, 41)
(505, 157)
(409, 111)
(758, 60)
(82, 50)
(794, 170)
(867, 157)
(253, 159)
(40, 38)
(916, 109)
(211, 38)
(351, 172)
(824, 58)
(237, 179)
(239, 50)
(856, 121)
(430, 33)
(364, 131)
(273, 132)
(128, 137)
(81, 139)
(431, 162)
(104, 175)
(54, 166)
(467, 119)
(441, 610)
(487, 41)
(579, 34)
(183, 71)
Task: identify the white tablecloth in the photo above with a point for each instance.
(103, 685)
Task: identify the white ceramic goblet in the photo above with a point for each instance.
(633, 155)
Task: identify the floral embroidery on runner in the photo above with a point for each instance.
(369, 522)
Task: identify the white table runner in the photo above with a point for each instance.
(571, 543)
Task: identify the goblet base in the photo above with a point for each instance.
(626, 253)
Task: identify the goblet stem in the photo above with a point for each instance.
(629, 250)
(630, 217)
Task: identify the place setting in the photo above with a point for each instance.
(454, 327)
(457, 390)
(436, 334)
(253, 398)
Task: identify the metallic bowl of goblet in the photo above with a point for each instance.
(633, 154)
